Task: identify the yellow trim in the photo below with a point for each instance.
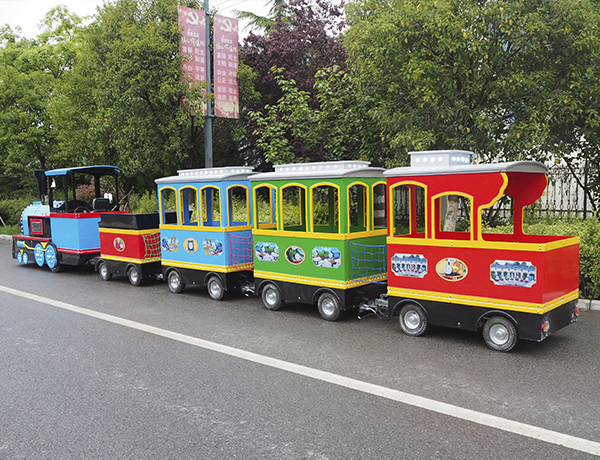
(321, 236)
(311, 214)
(372, 208)
(368, 221)
(272, 206)
(130, 260)
(433, 214)
(489, 205)
(181, 211)
(486, 302)
(205, 267)
(194, 228)
(161, 200)
(120, 231)
(391, 202)
(303, 216)
(229, 211)
(201, 208)
(318, 281)
(502, 245)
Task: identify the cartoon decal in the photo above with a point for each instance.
(513, 273)
(412, 265)
(170, 244)
(191, 245)
(451, 269)
(326, 257)
(212, 247)
(267, 252)
(294, 255)
(119, 244)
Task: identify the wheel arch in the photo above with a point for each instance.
(396, 309)
(491, 313)
(322, 290)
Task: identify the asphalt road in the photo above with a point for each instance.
(104, 370)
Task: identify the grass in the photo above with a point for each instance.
(10, 230)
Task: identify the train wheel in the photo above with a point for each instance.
(176, 284)
(271, 297)
(38, 255)
(25, 258)
(500, 334)
(329, 306)
(52, 258)
(103, 270)
(134, 275)
(413, 320)
(216, 290)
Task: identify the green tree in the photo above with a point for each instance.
(122, 104)
(30, 73)
(507, 79)
(335, 127)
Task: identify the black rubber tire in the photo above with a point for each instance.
(329, 306)
(500, 334)
(105, 275)
(413, 319)
(215, 288)
(176, 284)
(271, 297)
(135, 275)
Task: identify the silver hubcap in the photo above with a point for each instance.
(328, 307)
(103, 270)
(271, 297)
(133, 275)
(215, 289)
(412, 320)
(174, 281)
(499, 334)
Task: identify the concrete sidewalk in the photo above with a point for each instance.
(584, 304)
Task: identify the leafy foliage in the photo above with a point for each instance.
(336, 127)
(301, 43)
(502, 78)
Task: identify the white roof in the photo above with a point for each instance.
(514, 166)
(209, 175)
(322, 170)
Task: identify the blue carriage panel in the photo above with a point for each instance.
(75, 233)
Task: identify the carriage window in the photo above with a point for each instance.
(294, 208)
(168, 205)
(409, 211)
(264, 207)
(211, 207)
(238, 205)
(357, 209)
(325, 208)
(188, 206)
(454, 214)
(379, 206)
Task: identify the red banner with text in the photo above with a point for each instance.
(192, 24)
(227, 103)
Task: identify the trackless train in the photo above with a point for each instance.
(406, 242)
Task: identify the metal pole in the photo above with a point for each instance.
(208, 154)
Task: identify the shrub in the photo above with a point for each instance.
(11, 209)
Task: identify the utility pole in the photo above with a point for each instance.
(208, 153)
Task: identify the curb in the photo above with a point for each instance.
(584, 304)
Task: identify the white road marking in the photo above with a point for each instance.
(523, 429)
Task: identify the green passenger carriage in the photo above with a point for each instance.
(309, 222)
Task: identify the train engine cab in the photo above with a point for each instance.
(62, 228)
(205, 229)
(444, 270)
(306, 219)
